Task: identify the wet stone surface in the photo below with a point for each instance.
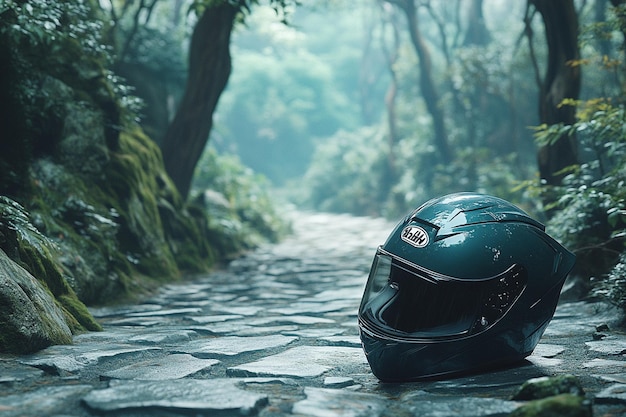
(275, 334)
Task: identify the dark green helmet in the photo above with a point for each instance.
(465, 282)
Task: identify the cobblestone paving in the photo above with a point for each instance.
(275, 334)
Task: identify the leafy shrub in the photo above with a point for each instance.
(352, 172)
(241, 210)
(349, 173)
(48, 50)
(589, 213)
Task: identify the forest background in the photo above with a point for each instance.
(146, 139)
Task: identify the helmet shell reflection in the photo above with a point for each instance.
(465, 282)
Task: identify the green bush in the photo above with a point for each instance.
(589, 211)
(353, 172)
(349, 173)
(242, 212)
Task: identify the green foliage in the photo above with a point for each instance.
(613, 287)
(288, 89)
(484, 92)
(348, 173)
(271, 111)
(600, 180)
(38, 24)
(48, 49)
(63, 38)
(356, 172)
(242, 213)
(588, 211)
(589, 215)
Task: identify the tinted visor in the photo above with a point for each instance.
(409, 302)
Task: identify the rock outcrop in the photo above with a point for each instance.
(30, 319)
(78, 172)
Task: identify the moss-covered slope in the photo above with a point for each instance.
(91, 186)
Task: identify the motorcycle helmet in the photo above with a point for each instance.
(464, 283)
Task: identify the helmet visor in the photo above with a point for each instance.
(406, 301)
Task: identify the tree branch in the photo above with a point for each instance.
(528, 32)
(133, 30)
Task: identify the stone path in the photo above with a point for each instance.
(275, 335)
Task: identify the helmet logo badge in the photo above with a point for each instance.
(415, 236)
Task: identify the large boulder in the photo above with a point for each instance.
(30, 319)
(37, 305)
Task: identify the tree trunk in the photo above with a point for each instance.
(391, 54)
(209, 69)
(477, 32)
(427, 84)
(562, 81)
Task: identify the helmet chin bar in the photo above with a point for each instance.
(404, 302)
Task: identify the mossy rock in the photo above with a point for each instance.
(133, 179)
(44, 266)
(562, 405)
(173, 237)
(66, 210)
(543, 387)
(125, 230)
(122, 226)
(30, 320)
(26, 246)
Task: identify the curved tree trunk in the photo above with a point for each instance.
(209, 69)
(562, 81)
(427, 84)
